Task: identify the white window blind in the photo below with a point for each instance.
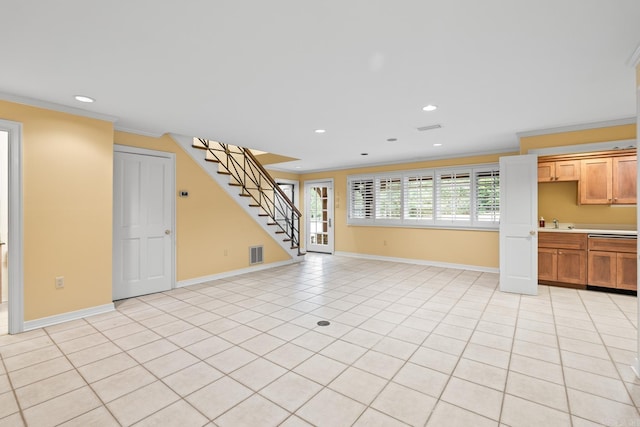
(418, 197)
(361, 198)
(454, 196)
(388, 197)
(487, 186)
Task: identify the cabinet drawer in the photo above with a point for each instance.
(562, 240)
(613, 245)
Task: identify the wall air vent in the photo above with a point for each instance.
(255, 255)
(430, 127)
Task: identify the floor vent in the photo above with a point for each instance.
(255, 255)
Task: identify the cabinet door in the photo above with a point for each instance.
(546, 171)
(547, 264)
(572, 266)
(624, 180)
(568, 170)
(596, 181)
(627, 271)
(602, 269)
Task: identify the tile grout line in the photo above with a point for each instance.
(13, 391)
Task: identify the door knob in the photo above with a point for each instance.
(167, 232)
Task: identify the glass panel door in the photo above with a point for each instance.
(319, 216)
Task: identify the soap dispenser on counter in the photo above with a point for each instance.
(542, 222)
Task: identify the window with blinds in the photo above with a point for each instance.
(360, 199)
(443, 197)
(487, 192)
(388, 197)
(418, 197)
(453, 196)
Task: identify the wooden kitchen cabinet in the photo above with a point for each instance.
(624, 180)
(562, 258)
(558, 171)
(612, 263)
(608, 181)
(596, 183)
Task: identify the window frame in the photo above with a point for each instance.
(432, 175)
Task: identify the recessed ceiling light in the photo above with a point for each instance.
(298, 167)
(83, 98)
(364, 154)
(437, 145)
(392, 139)
(319, 131)
(430, 107)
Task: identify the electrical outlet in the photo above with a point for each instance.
(384, 243)
(226, 253)
(59, 282)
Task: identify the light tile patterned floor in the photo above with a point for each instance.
(407, 345)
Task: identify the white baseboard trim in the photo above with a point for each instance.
(226, 274)
(43, 322)
(420, 262)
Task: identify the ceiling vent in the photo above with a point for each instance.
(430, 127)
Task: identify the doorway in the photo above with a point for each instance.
(319, 216)
(143, 222)
(4, 232)
(12, 236)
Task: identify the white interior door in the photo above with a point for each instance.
(319, 216)
(143, 224)
(518, 224)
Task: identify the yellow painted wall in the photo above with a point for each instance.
(468, 247)
(67, 187)
(560, 200)
(208, 222)
(587, 136)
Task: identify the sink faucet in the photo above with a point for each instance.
(556, 224)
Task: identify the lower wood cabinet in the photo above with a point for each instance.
(576, 259)
(613, 263)
(562, 258)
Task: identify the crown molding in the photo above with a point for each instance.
(573, 128)
(56, 107)
(137, 131)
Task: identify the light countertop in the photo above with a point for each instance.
(588, 230)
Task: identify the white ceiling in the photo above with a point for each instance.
(265, 74)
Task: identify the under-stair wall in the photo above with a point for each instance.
(239, 194)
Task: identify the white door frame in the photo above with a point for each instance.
(171, 156)
(15, 238)
(332, 234)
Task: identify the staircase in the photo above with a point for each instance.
(245, 179)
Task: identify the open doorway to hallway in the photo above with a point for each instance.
(4, 232)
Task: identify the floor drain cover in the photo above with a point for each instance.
(323, 323)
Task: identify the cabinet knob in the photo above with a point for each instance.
(532, 232)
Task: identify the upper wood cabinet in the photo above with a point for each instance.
(604, 177)
(557, 171)
(597, 182)
(625, 179)
(608, 181)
